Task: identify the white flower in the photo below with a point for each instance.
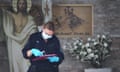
(75, 47)
(89, 39)
(81, 53)
(74, 43)
(83, 46)
(84, 53)
(105, 44)
(80, 43)
(77, 41)
(98, 62)
(98, 36)
(103, 36)
(89, 50)
(95, 43)
(96, 56)
(91, 55)
(87, 45)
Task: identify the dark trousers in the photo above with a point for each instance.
(35, 68)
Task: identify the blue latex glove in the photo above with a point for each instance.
(53, 59)
(37, 52)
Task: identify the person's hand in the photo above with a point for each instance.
(37, 52)
(53, 59)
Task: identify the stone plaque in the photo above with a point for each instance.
(73, 20)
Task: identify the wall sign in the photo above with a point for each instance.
(73, 20)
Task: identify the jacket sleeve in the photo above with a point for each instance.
(27, 47)
(59, 52)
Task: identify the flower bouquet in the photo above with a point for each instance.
(94, 50)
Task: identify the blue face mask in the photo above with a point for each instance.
(46, 36)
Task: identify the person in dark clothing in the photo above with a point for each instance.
(43, 50)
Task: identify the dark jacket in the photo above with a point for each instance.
(52, 46)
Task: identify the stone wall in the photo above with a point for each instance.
(106, 21)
